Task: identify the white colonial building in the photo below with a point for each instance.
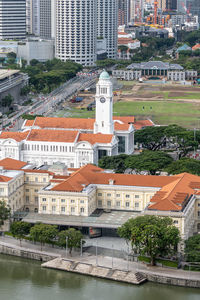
(75, 142)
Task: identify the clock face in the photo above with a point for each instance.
(102, 100)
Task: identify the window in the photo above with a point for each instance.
(1, 190)
(175, 222)
(44, 199)
(36, 199)
(36, 190)
(53, 200)
(27, 199)
(198, 213)
(82, 201)
(62, 209)
(44, 208)
(127, 196)
(108, 195)
(82, 209)
(109, 203)
(27, 178)
(36, 179)
(27, 190)
(118, 203)
(72, 209)
(127, 204)
(136, 204)
(99, 194)
(198, 204)
(100, 203)
(118, 195)
(62, 200)
(137, 196)
(121, 144)
(72, 201)
(44, 179)
(53, 209)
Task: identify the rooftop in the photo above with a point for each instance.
(12, 164)
(4, 73)
(157, 65)
(104, 75)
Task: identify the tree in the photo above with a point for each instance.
(173, 137)
(192, 248)
(116, 163)
(151, 235)
(73, 238)
(151, 161)
(43, 233)
(12, 55)
(20, 229)
(7, 100)
(183, 165)
(5, 212)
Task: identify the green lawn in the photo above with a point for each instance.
(161, 112)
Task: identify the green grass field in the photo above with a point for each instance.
(161, 112)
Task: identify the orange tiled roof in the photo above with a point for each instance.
(4, 178)
(48, 135)
(174, 191)
(142, 123)
(65, 123)
(177, 193)
(196, 47)
(29, 123)
(12, 164)
(88, 124)
(95, 138)
(17, 136)
(92, 174)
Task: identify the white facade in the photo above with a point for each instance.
(75, 146)
(76, 31)
(107, 24)
(41, 50)
(12, 19)
(104, 106)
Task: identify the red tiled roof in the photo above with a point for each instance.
(65, 123)
(4, 178)
(174, 193)
(38, 171)
(95, 138)
(12, 164)
(142, 123)
(17, 136)
(29, 123)
(92, 174)
(196, 47)
(48, 135)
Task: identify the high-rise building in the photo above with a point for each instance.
(76, 31)
(40, 17)
(123, 12)
(137, 10)
(107, 24)
(12, 19)
(193, 7)
(167, 5)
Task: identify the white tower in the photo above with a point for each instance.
(104, 105)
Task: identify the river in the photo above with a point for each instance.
(22, 279)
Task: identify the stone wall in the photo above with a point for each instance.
(25, 253)
(172, 280)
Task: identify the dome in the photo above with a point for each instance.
(104, 75)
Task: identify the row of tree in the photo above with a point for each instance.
(45, 233)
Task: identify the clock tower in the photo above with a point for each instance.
(104, 105)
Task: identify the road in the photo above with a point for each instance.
(45, 105)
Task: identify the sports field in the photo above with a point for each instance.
(161, 112)
(163, 104)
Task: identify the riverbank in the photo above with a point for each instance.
(99, 266)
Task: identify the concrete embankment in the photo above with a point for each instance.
(186, 282)
(96, 271)
(26, 253)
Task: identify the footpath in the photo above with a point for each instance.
(99, 266)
